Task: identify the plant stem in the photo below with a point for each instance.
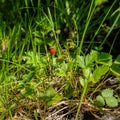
(97, 31)
(90, 13)
(111, 28)
(81, 100)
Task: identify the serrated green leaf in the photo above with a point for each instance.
(115, 69)
(90, 58)
(100, 101)
(111, 101)
(107, 92)
(99, 72)
(104, 58)
(81, 61)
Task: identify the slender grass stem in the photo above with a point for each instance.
(114, 41)
(112, 27)
(81, 100)
(97, 31)
(7, 61)
(90, 13)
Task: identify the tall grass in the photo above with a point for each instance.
(26, 35)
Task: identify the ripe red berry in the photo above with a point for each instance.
(52, 51)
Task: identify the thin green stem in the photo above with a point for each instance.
(90, 13)
(114, 41)
(81, 100)
(112, 27)
(101, 24)
(16, 64)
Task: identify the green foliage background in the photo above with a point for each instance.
(79, 30)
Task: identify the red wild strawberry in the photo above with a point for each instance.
(52, 51)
